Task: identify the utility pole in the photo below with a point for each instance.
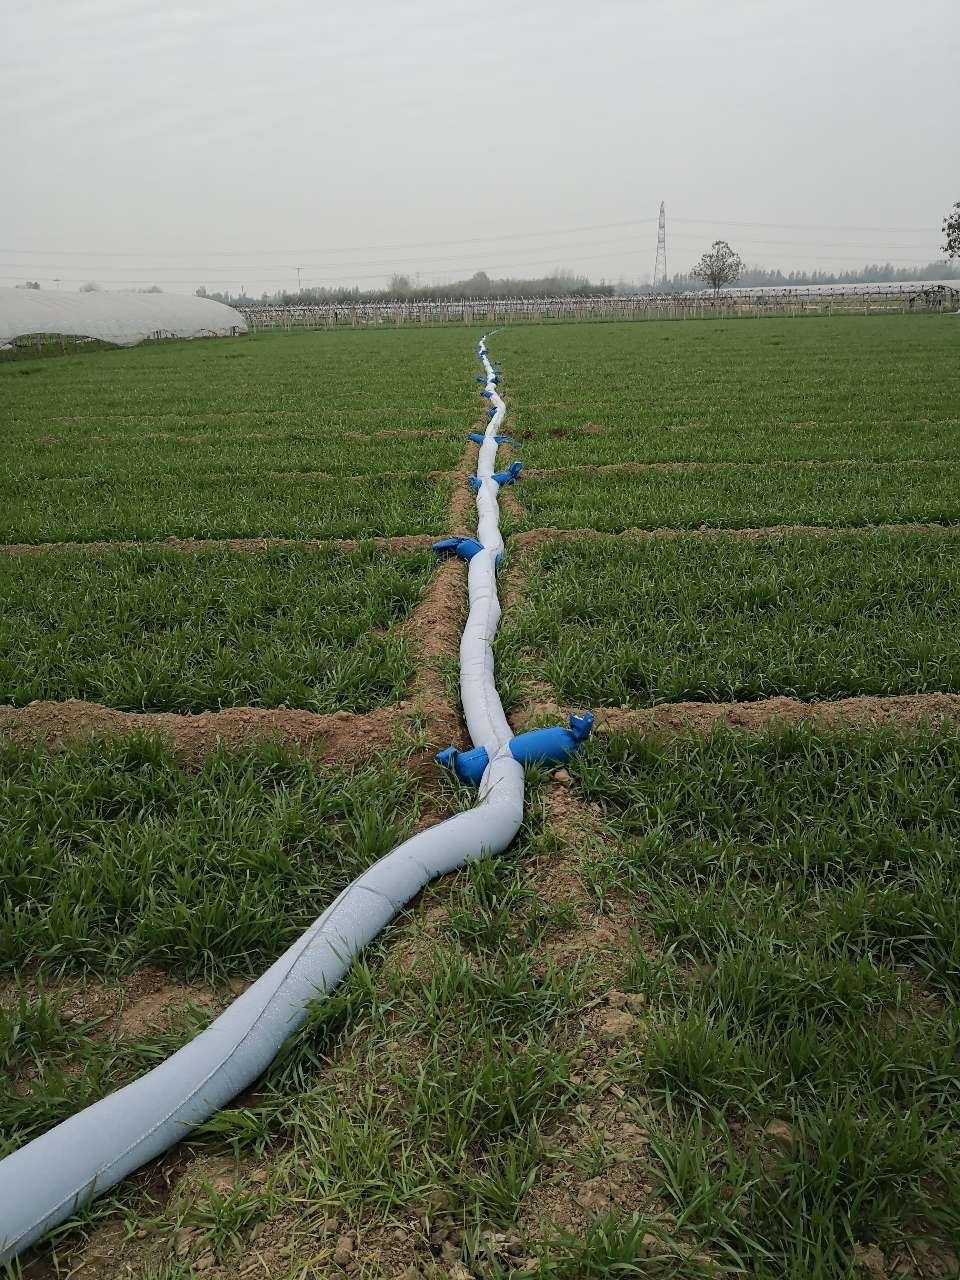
(299, 288)
(660, 266)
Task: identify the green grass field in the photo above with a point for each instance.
(701, 1019)
(157, 630)
(723, 619)
(744, 390)
(250, 439)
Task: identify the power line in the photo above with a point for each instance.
(804, 226)
(414, 244)
(391, 264)
(254, 253)
(355, 279)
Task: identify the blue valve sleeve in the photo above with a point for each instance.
(469, 766)
(465, 548)
(553, 745)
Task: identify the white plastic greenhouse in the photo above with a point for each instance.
(120, 318)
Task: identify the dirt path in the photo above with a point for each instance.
(256, 546)
(901, 710)
(607, 468)
(339, 736)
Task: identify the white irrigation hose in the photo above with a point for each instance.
(58, 1173)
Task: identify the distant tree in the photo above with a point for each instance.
(719, 266)
(32, 284)
(951, 229)
(399, 285)
(90, 287)
(202, 291)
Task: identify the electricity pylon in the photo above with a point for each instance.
(660, 268)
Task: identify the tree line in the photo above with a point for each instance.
(402, 289)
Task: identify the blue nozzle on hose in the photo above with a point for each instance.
(511, 475)
(476, 437)
(582, 726)
(554, 745)
(486, 393)
(504, 440)
(475, 483)
(469, 766)
(465, 548)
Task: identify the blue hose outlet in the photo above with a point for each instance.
(469, 766)
(554, 745)
(510, 475)
(475, 484)
(465, 548)
(486, 393)
(476, 437)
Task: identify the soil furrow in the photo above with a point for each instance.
(255, 546)
(605, 468)
(901, 710)
(336, 737)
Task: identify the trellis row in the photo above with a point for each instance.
(867, 299)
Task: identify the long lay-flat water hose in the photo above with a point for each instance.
(52, 1177)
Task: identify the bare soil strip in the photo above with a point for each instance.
(460, 509)
(434, 626)
(433, 629)
(605, 468)
(768, 464)
(254, 546)
(209, 415)
(339, 736)
(220, 437)
(528, 539)
(138, 1005)
(900, 710)
(291, 473)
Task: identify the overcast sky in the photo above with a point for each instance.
(225, 143)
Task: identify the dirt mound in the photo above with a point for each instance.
(902, 710)
(337, 737)
(403, 542)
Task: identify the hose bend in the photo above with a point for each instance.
(50, 1178)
